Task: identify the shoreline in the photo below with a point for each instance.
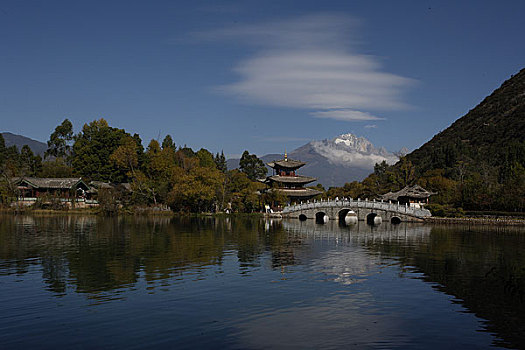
(501, 221)
(504, 221)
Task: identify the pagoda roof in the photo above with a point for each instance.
(302, 192)
(290, 179)
(286, 163)
(416, 191)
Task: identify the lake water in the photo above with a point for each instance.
(249, 283)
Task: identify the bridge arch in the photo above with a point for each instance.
(302, 217)
(347, 216)
(321, 217)
(382, 210)
(373, 219)
(395, 220)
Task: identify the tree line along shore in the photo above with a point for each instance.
(164, 175)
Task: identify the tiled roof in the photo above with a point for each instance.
(56, 183)
(409, 191)
(286, 163)
(292, 179)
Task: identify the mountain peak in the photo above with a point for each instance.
(335, 161)
(352, 141)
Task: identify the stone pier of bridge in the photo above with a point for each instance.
(364, 210)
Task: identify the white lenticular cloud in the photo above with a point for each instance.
(308, 63)
(345, 114)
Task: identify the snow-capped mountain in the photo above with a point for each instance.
(335, 161)
(344, 158)
(348, 150)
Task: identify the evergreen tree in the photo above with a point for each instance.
(252, 166)
(168, 143)
(30, 163)
(3, 152)
(205, 158)
(140, 150)
(220, 162)
(12, 161)
(59, 141)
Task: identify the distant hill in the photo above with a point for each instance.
(18, 140)
(335, 161)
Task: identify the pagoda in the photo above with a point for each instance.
(284, 179)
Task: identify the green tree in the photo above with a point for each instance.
(220, 162)
(12, 161)
(3, 152)
(31, 164)
(185, 158)
(168, 143)
(6, 188)
(205, 158)
(153, 182)
(126, 156)
(140, 149)
(274, 198)
(59, 141)
(196, 190)
(93, 148)
(252, 166)
(407, 172)
(242, 193)
(56, 168)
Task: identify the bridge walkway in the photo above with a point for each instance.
(334, 208)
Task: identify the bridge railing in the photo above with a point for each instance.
(358, 203)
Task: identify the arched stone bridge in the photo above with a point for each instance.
(355, 209)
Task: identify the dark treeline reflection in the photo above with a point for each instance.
(483, 268)
(93, 254)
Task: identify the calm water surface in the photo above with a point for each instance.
(88, 282)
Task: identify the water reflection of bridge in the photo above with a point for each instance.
(343, 253)
(359, 232)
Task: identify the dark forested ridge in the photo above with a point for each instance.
(489, 134)
(483, 153)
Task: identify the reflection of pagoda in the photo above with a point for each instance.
(285, 180)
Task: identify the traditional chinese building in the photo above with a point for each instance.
(35, 187)
(285, 180)
(410, 195)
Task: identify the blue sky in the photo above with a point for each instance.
(256, 75)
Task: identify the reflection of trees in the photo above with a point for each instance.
(485, 269)
(54, 271)
(96, 255)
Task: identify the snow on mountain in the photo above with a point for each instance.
(349, 150)
(335, 161)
